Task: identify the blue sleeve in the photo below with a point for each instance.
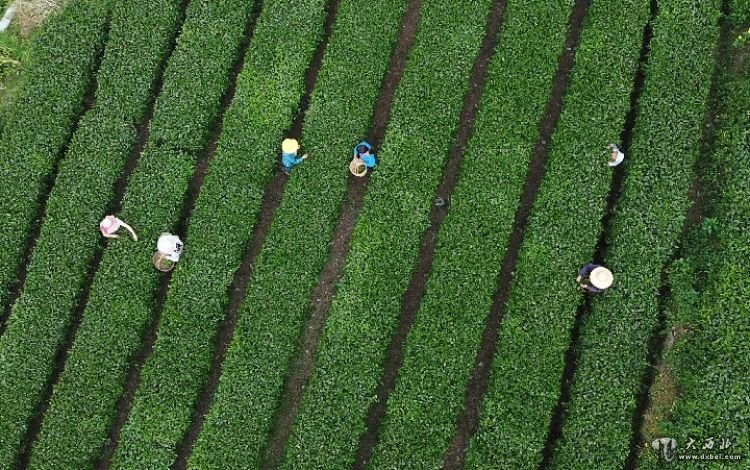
(290, 159)
(586, 270)
(369, 161)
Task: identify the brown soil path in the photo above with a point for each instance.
(415, 290)
(477, 387)
(662, 335)
(322, 295)
(555, 427)
(194, 185)
(271, 200)
(89, 99)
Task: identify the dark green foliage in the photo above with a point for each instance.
(66, 244)
(440, 351)
(197, 77)
(739, 12)
(709, 363)
(82, 193)
(120, 299)
(295, 250)
(268, 92)
(560, 237)
(137, 47)
(42, 314)
(42, 120)
(648, 221)
(424, 118)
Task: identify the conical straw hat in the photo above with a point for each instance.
(601, 278)
(289, 145)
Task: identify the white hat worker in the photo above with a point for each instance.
(601, 277)
(170, 246)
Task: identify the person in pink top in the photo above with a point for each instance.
(111, 224)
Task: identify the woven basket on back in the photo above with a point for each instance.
(357, 168)
(161, 262)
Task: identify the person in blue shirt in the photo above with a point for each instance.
(289, 158)
(362, 152)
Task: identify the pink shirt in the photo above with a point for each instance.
(113, 227)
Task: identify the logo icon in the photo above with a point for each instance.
(666, 446)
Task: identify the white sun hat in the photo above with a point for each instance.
(601, 277)
(170, 245)
(289, 145)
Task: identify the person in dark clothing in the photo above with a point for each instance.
(594, 278)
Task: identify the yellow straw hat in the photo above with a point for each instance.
(289, 146)
(601, 278)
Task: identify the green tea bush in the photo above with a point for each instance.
(385, 242)
(709, 363)
(271, 317)
(124, 284)
(560, 237)
(649, 216)
(41, 120)
(268, 92)
(440, 351)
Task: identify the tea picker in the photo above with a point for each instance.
(616, 157)
(168, 251)
(289, 158)
(111, 224)
(363, 160)
(594, 278)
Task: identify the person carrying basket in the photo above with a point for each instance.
(363, 160)
(168, 252)
(616, 156)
